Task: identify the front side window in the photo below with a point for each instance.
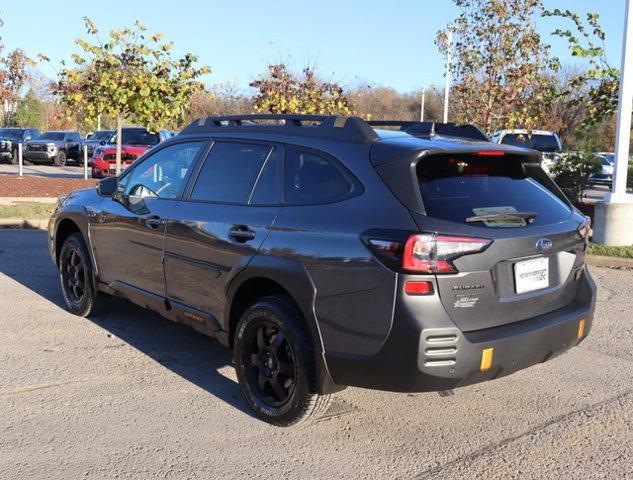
(229, 172)
(312, 179)
(162, 174)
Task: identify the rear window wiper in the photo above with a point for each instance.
(504, 216)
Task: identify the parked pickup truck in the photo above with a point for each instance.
(10, 138)
(54, 147)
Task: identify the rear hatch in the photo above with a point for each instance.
(531, 264)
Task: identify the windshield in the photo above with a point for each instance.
(604, 161)
(609, 157)
(102, 135)
(543, 143)
(138, 136)
(11, 132)
(52, 136)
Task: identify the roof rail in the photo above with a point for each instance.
(430, 129)
(329, 127)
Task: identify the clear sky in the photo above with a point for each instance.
(354, 41)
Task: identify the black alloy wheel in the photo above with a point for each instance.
(271, 370)
(74, 275)
(76, 278)
(275, 363)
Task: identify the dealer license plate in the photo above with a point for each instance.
(531, 275)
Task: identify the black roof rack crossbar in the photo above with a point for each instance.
(330, 127)
(430, 129)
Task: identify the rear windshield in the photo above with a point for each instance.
(456, 188)
(543, 143)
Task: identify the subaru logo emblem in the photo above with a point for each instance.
(543, 245)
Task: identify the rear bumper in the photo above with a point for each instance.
(429, 353)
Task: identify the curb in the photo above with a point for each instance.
(17, 200)
(609, 262)
(25, 223)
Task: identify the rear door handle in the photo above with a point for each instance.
(154, 222)
(242, 233)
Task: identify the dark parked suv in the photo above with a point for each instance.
(55, 147)
(10, 138)
(328, 253)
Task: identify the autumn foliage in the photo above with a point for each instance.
(282, 91)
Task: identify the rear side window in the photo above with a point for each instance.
(312, 179)
(455, 188)
(229, 172)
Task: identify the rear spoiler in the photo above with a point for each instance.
(431, 129)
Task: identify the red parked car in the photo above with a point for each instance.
(135, 142)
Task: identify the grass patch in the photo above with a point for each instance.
(27, 210)
(620, 252)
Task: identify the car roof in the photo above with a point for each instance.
(403, 138)
(526, 132)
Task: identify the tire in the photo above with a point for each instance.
(60, 159)
(76, 278)
(277, 373)
(14, 157)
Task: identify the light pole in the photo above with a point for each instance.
(614, 217)
(422, 105)
(447, 85)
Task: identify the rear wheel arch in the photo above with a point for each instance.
(249, 292)
(269, 276)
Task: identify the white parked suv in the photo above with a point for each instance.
(605, 176)
(542, 140)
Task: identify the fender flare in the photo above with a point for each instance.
(295, 279)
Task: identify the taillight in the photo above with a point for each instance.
(430, 253)
(585, 228)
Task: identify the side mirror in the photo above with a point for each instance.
(102, 142)
(108, 186)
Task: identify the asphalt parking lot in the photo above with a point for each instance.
(130, 395)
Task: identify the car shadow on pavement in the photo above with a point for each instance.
(189, 354)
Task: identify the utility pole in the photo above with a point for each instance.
(422, 105)
(614, 216)
(98, 122)
(447, 86)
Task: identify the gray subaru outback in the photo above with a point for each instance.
(328, 252)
